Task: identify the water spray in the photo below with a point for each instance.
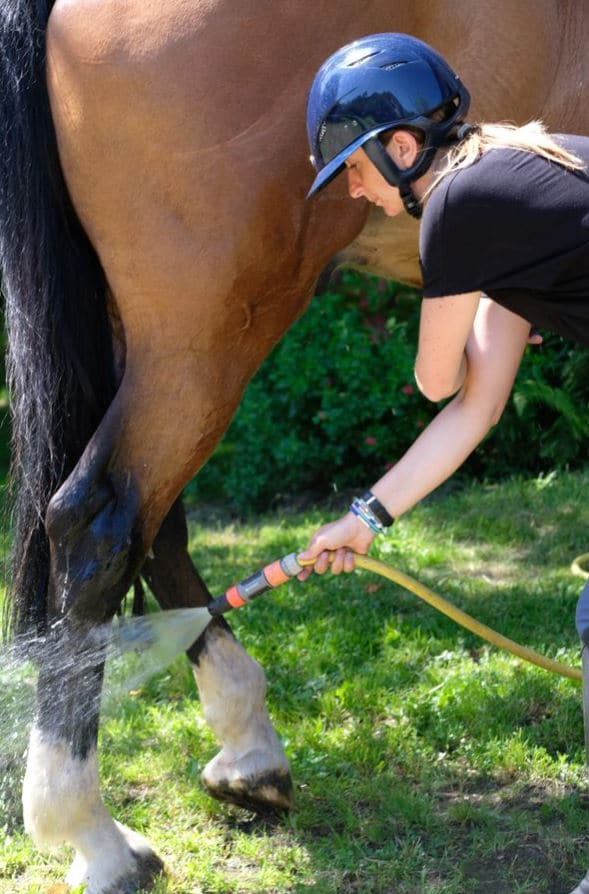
(163, 635)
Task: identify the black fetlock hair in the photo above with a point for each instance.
(60, 365)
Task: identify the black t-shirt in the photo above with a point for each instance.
(515, 226)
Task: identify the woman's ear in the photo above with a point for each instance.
(403, 148)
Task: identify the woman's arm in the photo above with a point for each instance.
(444, 328)
(493, 353)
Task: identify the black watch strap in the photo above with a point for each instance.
(378, 509)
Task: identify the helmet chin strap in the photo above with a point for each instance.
(401, 178)
(410, 201)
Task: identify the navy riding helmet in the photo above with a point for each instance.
(372, 85)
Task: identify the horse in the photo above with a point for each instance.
(155, 245)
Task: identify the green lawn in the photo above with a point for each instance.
(425, 762)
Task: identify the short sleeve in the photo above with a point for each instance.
(511, 220)
(450, 240)
(431, 241)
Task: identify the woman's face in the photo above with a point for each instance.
(366, 181)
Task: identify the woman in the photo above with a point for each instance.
(504, 243)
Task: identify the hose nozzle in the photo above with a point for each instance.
(268, 578)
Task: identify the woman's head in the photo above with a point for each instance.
(377, 84)
(385, 106)
(366, 181)
(404, 146)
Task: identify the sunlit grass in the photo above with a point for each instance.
(424, 760)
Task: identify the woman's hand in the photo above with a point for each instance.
(333, 543)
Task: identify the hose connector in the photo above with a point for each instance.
(267, 578)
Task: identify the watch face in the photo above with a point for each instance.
(378, 509)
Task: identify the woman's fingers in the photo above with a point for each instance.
(333, 545)
(315, 548)
(322, 562)
(336, 561)
(305, 573)
(349, 562)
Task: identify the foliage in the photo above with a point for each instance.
(336, 404)
(546, 423)
(424, 761)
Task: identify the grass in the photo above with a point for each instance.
(424, 761)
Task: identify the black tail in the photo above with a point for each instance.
(60, 364)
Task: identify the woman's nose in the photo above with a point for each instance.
(355, 188)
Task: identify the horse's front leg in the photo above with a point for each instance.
(61, 795)
(95, 549)
(251, 769)
(101, 524)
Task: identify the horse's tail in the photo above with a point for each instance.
(60, 363)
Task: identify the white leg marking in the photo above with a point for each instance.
(62, 803)
(232, 688)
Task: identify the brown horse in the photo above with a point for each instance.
(180, 134)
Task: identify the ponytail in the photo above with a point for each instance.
(532, 137)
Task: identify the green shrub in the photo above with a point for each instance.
(336, 404)
(546, 423)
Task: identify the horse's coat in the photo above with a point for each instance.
(180, 129)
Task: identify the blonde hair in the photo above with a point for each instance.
(532, 137)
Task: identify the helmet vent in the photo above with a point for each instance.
(354, 59)
(322, 130)
(393, 65)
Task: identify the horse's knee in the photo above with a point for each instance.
(96, 548)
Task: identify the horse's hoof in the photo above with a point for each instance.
(583, 886)
(248, 783)
(137, 872)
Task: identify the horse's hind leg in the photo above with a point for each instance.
(97, 549)
(251, 769)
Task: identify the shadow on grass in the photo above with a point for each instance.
(389, 836)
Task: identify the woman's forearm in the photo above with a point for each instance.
(440, 449)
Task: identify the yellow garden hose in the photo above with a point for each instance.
(280, 571)
(456, 614)
(577, 566)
